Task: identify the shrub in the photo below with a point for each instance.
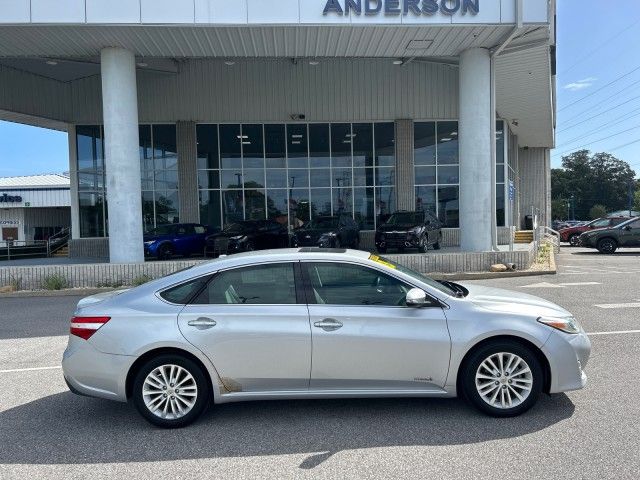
(15, 283)
(598, 211)
(141, 280)
(108, 283)
(55, 282)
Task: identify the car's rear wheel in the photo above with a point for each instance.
(502, 378)
(607, 246)
(170, 391)
(574, 239)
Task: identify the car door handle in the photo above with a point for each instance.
(328, 324)
(202, 323)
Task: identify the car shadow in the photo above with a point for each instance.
(67, 429)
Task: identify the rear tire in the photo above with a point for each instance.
(424, 245)
(503, 378)
(607, 246)
(178, 407)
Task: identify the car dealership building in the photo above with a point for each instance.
(214, 111)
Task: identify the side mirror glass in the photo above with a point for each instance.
(628, 228)
(416, 297)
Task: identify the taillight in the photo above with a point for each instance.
(84, 327)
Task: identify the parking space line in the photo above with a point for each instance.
(617, 332)
(618, 305)
(32, 369)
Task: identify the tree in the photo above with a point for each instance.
(598, 179)
(597, 211)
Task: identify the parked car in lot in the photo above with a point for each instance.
(242, 327)
(408, 230)
(166, 241)
(329, 232)
(246, 236)
(572, 234)
(608, 240)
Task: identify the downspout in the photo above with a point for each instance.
(494, 53)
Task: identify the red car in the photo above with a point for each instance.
(571, 234)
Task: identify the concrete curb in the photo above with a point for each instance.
(69, 292)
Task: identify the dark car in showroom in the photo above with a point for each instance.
(328, 232)
(183, 239)
(571, 234)
(247, 235)
(608, 240)
(409, 230)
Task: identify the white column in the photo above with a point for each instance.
(122, 157)
(73, 179)
(475, 150)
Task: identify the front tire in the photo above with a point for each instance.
(574, 239)
(170, 391)
(607, 246)
(424, 245)
(502, 378)
(165, 252)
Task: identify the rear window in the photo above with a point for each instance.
(182, 294)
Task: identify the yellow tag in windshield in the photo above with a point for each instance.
(381, 261)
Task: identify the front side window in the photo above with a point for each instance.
(272, 284)
(601, 223)
(344, 284)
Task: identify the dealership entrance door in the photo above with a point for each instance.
(9, 233)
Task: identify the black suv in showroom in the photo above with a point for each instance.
(408, 230)
(329, 232)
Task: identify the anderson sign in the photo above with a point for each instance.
(402, 7)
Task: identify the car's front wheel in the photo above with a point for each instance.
(607, 246)
(574, 239)
(170, 391)
(502, 378)
(165, 252)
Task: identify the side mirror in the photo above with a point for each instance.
(416, 297)
(628, 228)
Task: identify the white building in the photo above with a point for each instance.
(218, 110)
(33, 207)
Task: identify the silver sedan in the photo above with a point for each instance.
(313, 323)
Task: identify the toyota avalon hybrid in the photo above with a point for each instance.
(318, 323)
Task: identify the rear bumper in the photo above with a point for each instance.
(568, 356)
(90, 372)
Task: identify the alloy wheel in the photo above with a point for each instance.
(504, 380)
(169, 392)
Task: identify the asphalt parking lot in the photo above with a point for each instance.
(47, 432)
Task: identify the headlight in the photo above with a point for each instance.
(326, 236)
(564, 324)
(239, 238)
(149, 243)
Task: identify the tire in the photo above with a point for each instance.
(356, 242)
(249, 247)
(337, 243)
(525, 383)
(194, 379)
(424, 245)
(574, 239)
(607, 246)
(436, 246)
(165, 252)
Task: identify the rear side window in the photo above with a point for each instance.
(199, 229)
(272, 284)
(185, 292)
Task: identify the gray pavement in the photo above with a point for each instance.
(47, 432)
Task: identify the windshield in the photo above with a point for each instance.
(412, 273)
(240, 227)
(406, 218)
(163, 230)
(323, 222)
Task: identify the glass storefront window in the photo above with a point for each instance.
(91, 181)
(293, 172)
(437, 171)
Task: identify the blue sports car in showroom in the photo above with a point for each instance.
(182, 239)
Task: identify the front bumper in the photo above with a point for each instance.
(90, 372)
(403, 240)
(568, 356)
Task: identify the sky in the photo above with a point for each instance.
(598, 94)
